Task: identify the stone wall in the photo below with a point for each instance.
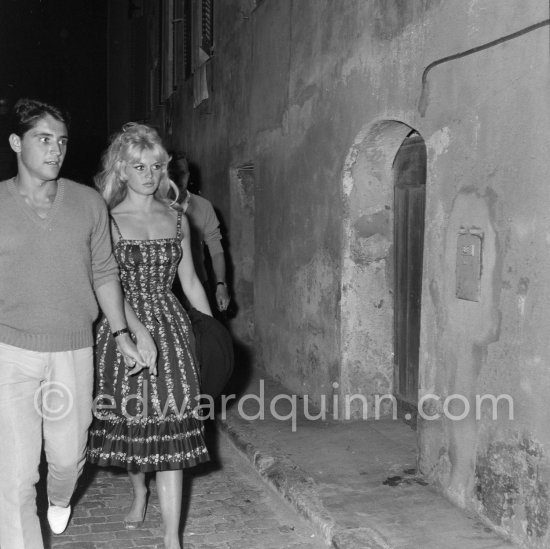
(309, 102)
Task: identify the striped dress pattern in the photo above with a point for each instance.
(145, 422)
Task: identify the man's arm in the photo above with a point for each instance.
(190, 283)
(222, 293)
(212, 239)
(110, 299)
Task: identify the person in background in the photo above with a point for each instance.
(150, 421)
(205, 231)
(55, 261)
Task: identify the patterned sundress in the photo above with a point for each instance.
(145, 422)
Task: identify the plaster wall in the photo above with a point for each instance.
(489, 172)
(317, 96)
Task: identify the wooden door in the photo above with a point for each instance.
(409, 200)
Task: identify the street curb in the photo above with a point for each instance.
(287, 479)
(300, 490)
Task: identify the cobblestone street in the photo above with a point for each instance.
(229, 507)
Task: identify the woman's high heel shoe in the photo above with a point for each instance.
(134, 524)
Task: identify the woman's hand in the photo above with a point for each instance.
(147, 349)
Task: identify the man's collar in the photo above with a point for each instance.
(185, 203)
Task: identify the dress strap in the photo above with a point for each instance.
(178, 231)
(115, 225)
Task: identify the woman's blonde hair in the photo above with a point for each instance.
(126, 147)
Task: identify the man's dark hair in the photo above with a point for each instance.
(27, 112)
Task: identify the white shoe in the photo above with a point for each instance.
(58, 517)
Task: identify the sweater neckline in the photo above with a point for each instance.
(42, 222)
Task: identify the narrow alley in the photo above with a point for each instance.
(374, 180)
(229, 507)
(282, 480)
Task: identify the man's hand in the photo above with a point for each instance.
(132, 357)
(222, 297)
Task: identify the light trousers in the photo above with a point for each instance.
(43, 397)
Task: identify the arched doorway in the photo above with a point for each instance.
(409, 170)
(376, 162)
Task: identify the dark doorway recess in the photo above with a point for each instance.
(409, 169)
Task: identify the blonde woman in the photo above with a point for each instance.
(145, 420)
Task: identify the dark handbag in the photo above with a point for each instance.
(214, 349)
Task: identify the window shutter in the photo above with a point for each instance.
(207, 31)
(187, 39)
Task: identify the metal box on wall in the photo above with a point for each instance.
(468, 264)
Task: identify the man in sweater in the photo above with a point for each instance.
(205, 230)
(55, 262)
